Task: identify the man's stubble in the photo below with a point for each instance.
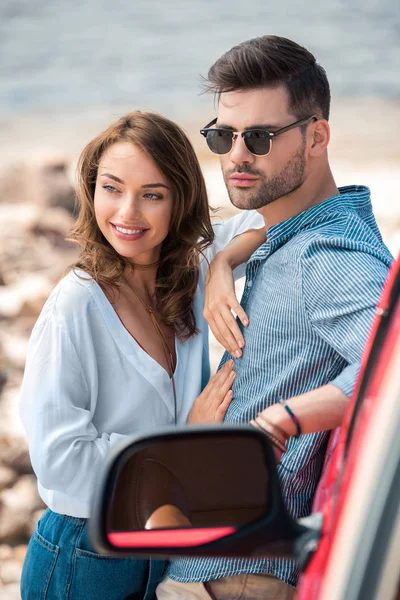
(287, 181)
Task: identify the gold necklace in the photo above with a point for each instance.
(167, 351)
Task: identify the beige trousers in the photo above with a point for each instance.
(237, 587)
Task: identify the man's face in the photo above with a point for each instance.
(271, 177)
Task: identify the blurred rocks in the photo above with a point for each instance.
(36, 215)
(14, 453)
(17, 505)
(11, 560)
(43, 182)
(7, 477)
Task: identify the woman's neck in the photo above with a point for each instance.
(143, 280)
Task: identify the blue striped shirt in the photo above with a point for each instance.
(310, 294)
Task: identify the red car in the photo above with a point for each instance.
(214, 490)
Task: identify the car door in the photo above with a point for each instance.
(357, 556)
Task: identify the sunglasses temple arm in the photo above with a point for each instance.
(210, 124)
(292, 126)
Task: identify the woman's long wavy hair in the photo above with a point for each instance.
(190, 229)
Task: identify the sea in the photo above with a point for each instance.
(60, 57)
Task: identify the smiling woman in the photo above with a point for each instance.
(139, 151)
(121, 345)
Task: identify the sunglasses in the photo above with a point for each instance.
(258, 141)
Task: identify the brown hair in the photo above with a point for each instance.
(190, 228)
(270, 61)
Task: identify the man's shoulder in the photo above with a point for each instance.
(342, 231)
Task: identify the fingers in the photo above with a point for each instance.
(233, 326)
(226, 329)
(232, 339)
(217, 379)
(216, 332)
(220, 393)
(214, 400)
(238, 310)
(223, 407)
(221, 388)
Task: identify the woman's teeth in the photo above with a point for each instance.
(128, 231)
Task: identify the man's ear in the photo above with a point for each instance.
(320, 134)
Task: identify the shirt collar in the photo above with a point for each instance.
(355, 198)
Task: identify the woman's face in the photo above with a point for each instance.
(132, 202)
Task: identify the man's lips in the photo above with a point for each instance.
(243, 179)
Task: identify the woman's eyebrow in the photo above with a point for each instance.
(146, 185)
(151, 185)
(114, 177)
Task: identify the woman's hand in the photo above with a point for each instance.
(219, 302)
(214, 400)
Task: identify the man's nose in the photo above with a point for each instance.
(240, 153)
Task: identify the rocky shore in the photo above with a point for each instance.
(36, 207)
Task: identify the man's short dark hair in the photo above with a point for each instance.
(270, 61)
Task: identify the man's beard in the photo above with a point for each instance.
(290, 178)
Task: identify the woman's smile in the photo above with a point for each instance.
(124, 232)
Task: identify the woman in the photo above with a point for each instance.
(121, 344)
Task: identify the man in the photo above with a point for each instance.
(311, 288)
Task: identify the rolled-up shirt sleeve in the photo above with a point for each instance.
(56, 407)
(341, 289)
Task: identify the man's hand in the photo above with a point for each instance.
(214, 400)
(219, 302)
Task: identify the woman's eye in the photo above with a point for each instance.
(110, 188)
(151, 196)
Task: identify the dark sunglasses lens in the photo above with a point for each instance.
(219, 142)
(258, 142)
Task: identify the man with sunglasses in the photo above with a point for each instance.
(311, 289)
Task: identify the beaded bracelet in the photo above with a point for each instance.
(292, 416)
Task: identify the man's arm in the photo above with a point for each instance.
(341, 288)
(319, 410)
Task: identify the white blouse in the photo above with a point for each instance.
(88, 384)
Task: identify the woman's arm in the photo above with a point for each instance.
(56, 407)
(220, 298)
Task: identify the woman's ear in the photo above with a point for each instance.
(320, 134)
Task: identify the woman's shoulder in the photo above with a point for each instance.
(75, 287)
(73, 295)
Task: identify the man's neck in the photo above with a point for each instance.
(314, 190)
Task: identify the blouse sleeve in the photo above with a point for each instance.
(56, 407)
(226, 231)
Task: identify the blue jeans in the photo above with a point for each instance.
(61, 564)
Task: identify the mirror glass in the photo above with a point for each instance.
(210, 484)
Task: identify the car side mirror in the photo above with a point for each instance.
(193, 491)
